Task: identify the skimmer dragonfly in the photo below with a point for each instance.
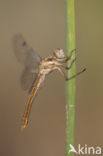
(36, 69)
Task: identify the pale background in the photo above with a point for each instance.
(43, 25)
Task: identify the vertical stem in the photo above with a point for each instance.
(70, 85)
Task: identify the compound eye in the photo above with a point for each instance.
(59, 53)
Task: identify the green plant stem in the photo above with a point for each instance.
(70, 85)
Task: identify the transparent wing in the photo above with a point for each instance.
(28, 79)
(24, 53)
(31, 61)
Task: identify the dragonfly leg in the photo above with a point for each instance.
(69, 78)
(62, 73)
(69, 57)
(68, 67)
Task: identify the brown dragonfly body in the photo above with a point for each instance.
(36, 69)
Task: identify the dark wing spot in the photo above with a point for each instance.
(24, 43)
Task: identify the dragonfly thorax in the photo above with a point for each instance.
(47, 66)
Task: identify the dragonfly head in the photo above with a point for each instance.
(59, 53)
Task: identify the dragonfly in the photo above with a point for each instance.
(36, 69)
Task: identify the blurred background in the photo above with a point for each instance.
(42, 23)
